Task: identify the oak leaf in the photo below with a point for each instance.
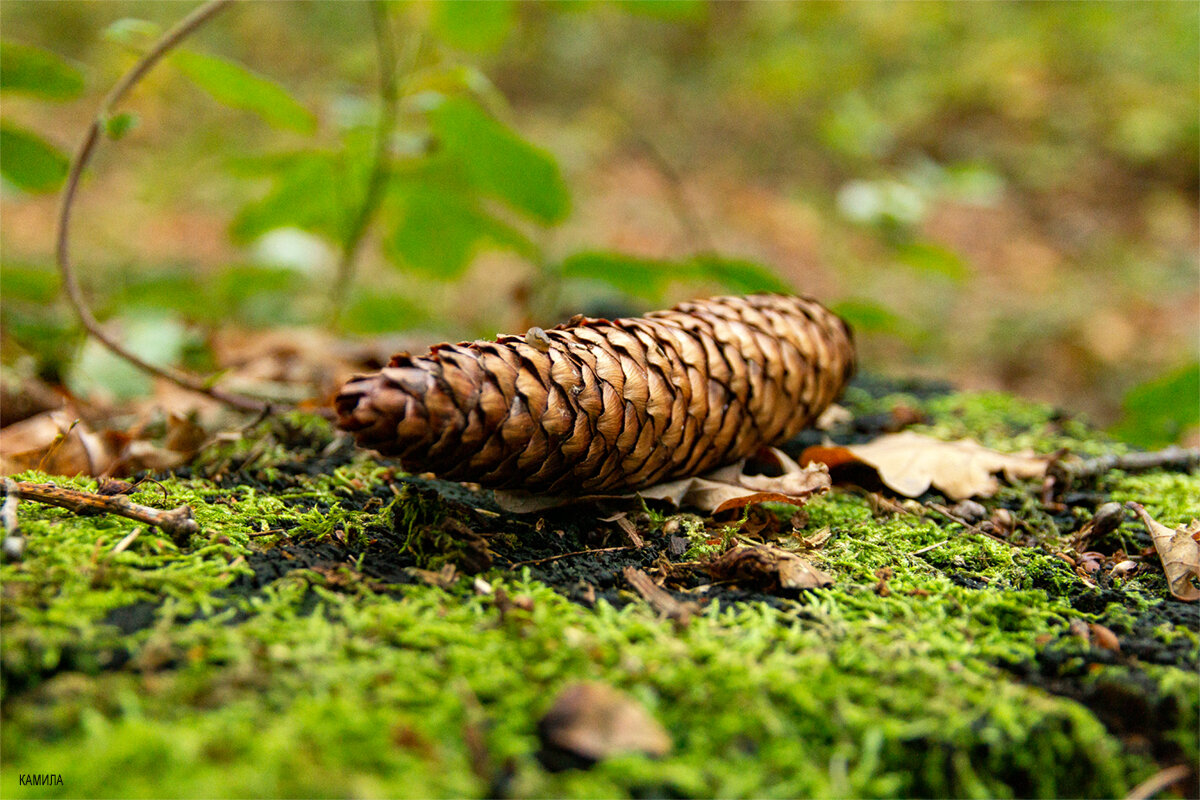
(909, 463)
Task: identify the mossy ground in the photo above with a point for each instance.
(288, 650)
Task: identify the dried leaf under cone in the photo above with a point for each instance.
(600, 405)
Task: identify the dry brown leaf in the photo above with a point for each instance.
(593, 721)
(1179, 552)
(768, 567)
(720, 490)
(909, 463)
(54, 442)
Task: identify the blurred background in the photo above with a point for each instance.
(1000, 195)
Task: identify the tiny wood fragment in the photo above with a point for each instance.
(598, 405)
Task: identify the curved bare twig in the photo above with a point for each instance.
(164, 45)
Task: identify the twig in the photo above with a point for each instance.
(930, 547)
(564, 555)
(388, 104)
(129, 538)
(1159, 781)
(1182, 459)
(179, 523)
(660, 599)
(950, 515)
(169, 40)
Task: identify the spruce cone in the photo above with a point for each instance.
(597, 405)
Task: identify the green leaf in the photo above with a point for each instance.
(33, 284)
(668, 10)
(440, 230)
(646, 278)
(867, 316)
(116, 126)
(373, 314)
(38, 72)
(932, 258)
(29, 162)
(1160, 411)
(477, 27)
(313, 190)
(740, 276)
(238, 87)
(499, 162)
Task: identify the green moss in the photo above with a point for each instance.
(923, 671)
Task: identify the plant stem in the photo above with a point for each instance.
(74, 294)
(388, 104)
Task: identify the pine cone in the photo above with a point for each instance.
(597, 405)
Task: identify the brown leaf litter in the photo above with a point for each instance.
(725, 489)
(590, 721)
(1179, 551)
(910, 463)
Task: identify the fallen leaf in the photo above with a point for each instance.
(1104, 637)
(54, 442)
(768, 567)
(909, 463)
(1179, 552)
(590, 721)
(720, 490)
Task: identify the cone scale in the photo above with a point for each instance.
(596, 405)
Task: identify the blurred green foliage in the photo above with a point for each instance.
(1072, 127)
(27, 161)
(1159, 411)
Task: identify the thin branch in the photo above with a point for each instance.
(1163, 779)
(164, 45)
(1182, 459)
(565, 555)
(388, 104)
(179, 523)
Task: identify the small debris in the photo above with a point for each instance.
(768, 567)
(881, 588)
(631, 531)
(660, 600)
(444, 578)
(1104, 638)
(677, 546)
(969, 510)
(591, 721)
(1123, 569)
(1107, 519)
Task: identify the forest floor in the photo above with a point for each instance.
(339, 628)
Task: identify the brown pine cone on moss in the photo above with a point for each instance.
(597, 405)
